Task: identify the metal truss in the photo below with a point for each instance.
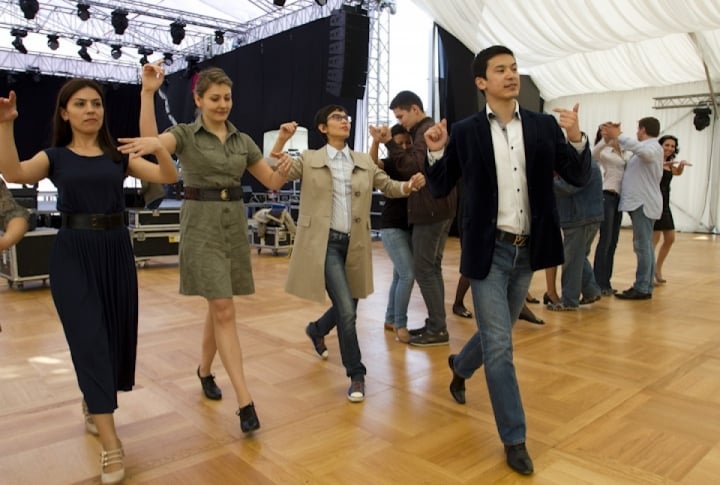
(685, 101)
(377, 94)
(149, 29)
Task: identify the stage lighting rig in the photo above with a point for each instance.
(177, 32)
(119, 20)
(53, 41)
(29, 8)
(18, 42)
(116, 51)
(83, 11)
(702, 117)
(83, 52)
(219, 37)
(144, 52)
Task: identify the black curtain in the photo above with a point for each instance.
(278, 79)
(36, 105)
(458, 93)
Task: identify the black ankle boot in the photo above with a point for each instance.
(248, 418)
(210, 389)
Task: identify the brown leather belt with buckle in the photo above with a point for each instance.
(213, 195)
(95, 222)
(514, 239)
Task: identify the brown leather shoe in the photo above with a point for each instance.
(402, 335)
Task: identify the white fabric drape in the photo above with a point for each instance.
(694, 194)
(614, 57)
(589, 46)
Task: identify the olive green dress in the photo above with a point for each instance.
(214, 249)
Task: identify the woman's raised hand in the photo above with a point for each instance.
(153, 75)
(8, 108)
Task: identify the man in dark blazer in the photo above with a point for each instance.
(506, 157)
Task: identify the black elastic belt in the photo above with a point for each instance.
(95, 222)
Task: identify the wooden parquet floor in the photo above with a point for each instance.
(618, 392)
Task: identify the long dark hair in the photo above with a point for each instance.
(62, 133)
(663, 139)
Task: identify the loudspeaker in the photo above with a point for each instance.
(348, 54)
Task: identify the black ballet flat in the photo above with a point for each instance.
(248, 418)
(531, 299)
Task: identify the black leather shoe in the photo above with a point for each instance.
(457, 385)
(518, 458)
(633, 294)
(528, 315)
(248, 419)
(417, 331)
(211, 390)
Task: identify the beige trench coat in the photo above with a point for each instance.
(306, 275)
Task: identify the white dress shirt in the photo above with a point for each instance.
(341, 167)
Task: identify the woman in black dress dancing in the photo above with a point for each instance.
(92, 267)
(665, 226)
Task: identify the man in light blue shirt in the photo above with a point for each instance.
(640, 196)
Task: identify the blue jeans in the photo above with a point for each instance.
(498, 300)
(343, 310)
(609, 234)
(428, 244)
(644, 251)
(577, 274)
(398, 245)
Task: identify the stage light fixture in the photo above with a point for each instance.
(18, 42)
(29, 8)
(322, 3)
(192, 66)
(219, 37)
(115, 51)
(168, 58)
(702, 118)
(279, 3)
(144, 52)
(53, 41)
(83, 52)
(119, 20)
(83, 11)
(177, 32)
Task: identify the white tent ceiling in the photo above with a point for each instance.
(572, 47)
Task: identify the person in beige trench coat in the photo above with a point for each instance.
(332, 250)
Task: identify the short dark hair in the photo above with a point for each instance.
(405, 100)
(480, 63)
(321, 117)
(664, 138)
(651, 125)
(398, 129)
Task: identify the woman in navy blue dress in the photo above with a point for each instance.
(92, 267)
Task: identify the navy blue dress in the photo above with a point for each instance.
(93, 279)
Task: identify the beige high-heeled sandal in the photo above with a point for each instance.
(108, 458)
(89, 422)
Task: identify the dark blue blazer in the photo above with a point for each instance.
(470, 155)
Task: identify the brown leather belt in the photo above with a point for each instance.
(214, 195)
(514, 239)
(94, 222)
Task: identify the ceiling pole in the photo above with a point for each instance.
(713, 197)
